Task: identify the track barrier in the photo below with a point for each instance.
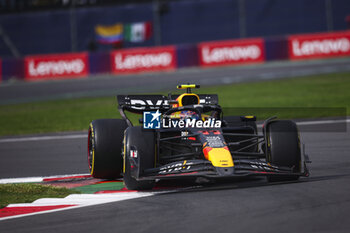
(170, 58)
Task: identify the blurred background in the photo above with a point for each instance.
(60, 26)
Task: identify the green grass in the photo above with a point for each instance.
(25, 193)
(90, 189)
(330, 90)
(55, 116)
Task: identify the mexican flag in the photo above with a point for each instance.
(137, 32)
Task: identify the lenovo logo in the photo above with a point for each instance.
(328, 46)
(231, 52)
(54, 68)
(319, 45)
(234, 53)
(142, 61)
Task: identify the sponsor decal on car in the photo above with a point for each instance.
(214, 141)
(176, 167)
(263, 166)
(133, 153)
(141, 104)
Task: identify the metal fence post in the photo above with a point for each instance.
(329, 14)
(73, 27)
(8, 42)
(242, 19)
(156, 23)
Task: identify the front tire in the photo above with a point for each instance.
(283, 148)
(143, 143)
(104, 148)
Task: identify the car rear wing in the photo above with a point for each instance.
(140, 103)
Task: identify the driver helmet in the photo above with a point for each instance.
(183, 100)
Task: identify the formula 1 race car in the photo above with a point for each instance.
(187, 136)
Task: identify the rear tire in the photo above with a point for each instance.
(105, 147)
(144, 143)
(283, 148)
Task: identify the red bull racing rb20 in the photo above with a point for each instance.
(187, 136)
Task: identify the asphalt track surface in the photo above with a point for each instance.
(320, 203)
(108, 85)
(28, 158)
